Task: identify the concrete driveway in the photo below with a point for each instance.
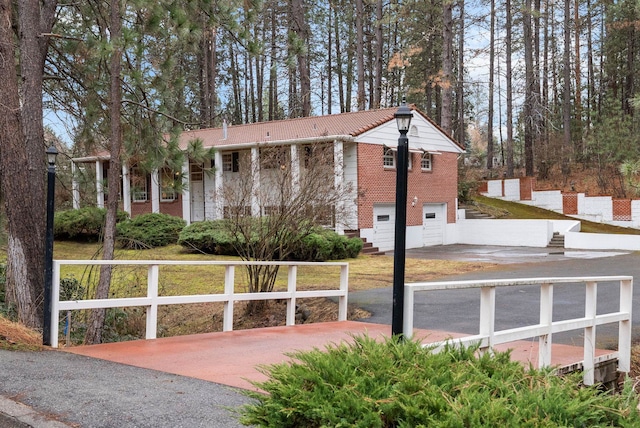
(459, 310)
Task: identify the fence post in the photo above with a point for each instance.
(487, 315)
(546, 320)
(407, 322)
(229, 278)
(344, 287)
(624, 327)
(291, 288)
(152, 293)
(591, 298)
(55, 299)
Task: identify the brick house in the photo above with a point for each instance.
(364, 155)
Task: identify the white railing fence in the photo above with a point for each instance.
(488, 337)
(228, 297)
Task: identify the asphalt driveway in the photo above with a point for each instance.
(458, 310)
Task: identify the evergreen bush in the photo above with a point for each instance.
(213, 237)
(84, 224)
(401, 384)
(209, 237)
(150, 231)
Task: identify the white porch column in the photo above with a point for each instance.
(295, 169)
(186, 192)
(255, 181)
(75, 187)
(126, 188)
(219, 186)
(99, 184)
(338, 170)
(155, 192)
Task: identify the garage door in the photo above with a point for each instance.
(384, 223)
(433, 220)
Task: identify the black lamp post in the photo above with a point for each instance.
(52, 152)
(403, 118)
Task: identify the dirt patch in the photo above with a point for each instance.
(16, 337)
(208, 317)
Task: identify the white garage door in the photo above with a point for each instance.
(433, 220)
(384, 223)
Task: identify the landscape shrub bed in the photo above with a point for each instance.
(214, 237)
(84, 224)
(150, 230)
(400, 384)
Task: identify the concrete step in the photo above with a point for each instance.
(367, 247)
(557, 241)
(471, 213)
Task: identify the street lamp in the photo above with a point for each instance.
(403, 119)
(52, 152)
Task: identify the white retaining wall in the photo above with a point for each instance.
(494, 188)
(512, 189)
(601, 241)
(526, 233)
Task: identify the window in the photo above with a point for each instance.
(196, 173)
(231, 162)
(274, 158)
(388, 158)
(139, 189)
(425, 162)
(167, 185)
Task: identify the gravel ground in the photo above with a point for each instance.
(69, 389)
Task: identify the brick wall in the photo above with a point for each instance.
(377, 184)
(527, 184)
(570, 203)
(621, 209)
(173, 208)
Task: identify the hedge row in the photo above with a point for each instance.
(213, 237)
(210, 237)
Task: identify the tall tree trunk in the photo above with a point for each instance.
(377, 90)
(492, 60)
(460, 137)
(566, 96)
(22, 157)
(97, 316)
(273, 69)
(447, 66)
(330, 59)
(361, 97)
(509, 124)
(529, 88)
(339, 70)
(578, 76)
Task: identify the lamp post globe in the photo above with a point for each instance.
(403, 119)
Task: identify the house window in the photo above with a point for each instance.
(139, 189)
(231, 162)
(196, 172)
(425, 161)
(274, 158)
(388, 158)
(167, 185)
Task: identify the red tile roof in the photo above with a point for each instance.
(345, 124)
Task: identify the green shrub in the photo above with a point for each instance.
(401, 384)
(84, 224)
(150, 231)
(209, 237)
(325, 245)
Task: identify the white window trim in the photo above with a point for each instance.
(429, 157)
(388, 155)
(141, 195)
(173, 193)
